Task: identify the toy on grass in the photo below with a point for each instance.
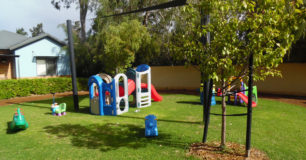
(19, 122)
(213, 99)
(241, 94)
(245, 89)
(151, 126)
(58, 110)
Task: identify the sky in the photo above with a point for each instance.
(28, 13)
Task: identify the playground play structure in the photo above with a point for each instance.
(19, 122)
(238, 96)
(110, 96)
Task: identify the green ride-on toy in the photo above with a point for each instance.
(19, 122)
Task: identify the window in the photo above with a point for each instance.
(46, 66)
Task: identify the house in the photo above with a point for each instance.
(29, 57)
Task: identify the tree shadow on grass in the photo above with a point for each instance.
(162, 120)
(68, 100)
(194, 102)
(109, 136)
(9, 131)
(189, 102)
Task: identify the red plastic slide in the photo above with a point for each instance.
(131, 88)
(244, 98)
(154, 95)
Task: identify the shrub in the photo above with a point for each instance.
(26, 87)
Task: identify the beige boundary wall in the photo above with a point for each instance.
(175, 77)
(293, 81)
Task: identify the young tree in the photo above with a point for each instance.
(239, 29)
(35, 31)
(21, 31)
(116, 45)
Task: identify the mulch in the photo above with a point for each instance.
(297, 100)
(232, 151)
(18, 100)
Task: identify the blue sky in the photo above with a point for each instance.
(28, 13)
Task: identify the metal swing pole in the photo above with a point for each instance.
(207, 88)
(249, 114)
(72, 64)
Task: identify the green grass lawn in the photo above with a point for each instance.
(278, 129)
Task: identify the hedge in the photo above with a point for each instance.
(26, 87)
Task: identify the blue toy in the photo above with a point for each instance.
(151, 126)
(213, 99)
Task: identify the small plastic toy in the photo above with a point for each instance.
(58, 110)
(19, 122)
(213, 99)
(151, 126)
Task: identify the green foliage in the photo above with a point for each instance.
(37, 30)
(26, 87)
(21, 31)
(239, 28)
(149, 51)
(116, 45)
(159, 24)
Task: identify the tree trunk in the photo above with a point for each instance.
(223, 127)
(83, 13)
(145, 19)
(146, 16)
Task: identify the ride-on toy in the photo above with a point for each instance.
(58, 110)
(19, 122)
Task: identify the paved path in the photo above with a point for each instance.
(37, 98)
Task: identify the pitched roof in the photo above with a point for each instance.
(13, 41)
(37, 38)
(8, 39)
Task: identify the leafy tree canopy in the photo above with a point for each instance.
(119, 45)
(37, 30)
(21, 31)
(239, 28)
